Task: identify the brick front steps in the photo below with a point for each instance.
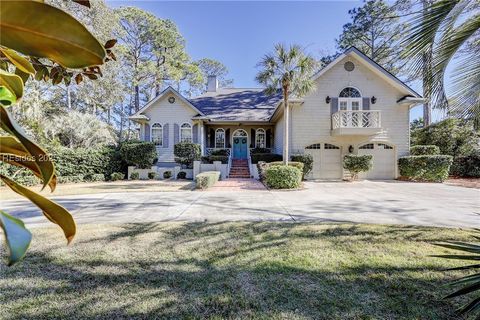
(239, 169)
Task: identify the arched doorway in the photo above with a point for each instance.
(240, 144)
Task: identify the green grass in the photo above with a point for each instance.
(232, 270)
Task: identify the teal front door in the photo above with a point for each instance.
(239, 147)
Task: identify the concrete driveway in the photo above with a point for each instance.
(389, 202)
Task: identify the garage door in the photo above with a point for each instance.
(327, 162)
(383, 160)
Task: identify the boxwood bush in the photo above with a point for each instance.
(259, 150)
(423, 150)
(135, 176)
(182, 175)
(433, 168)
(187, 152)
(265, 157)
(206, 179)
(219, 152)
(298, 165)
(466, 166)
(307, 160)
(139, 153)
(357, 163)
(167, 174)
(283, 177)
(211, 158)
(152, 175)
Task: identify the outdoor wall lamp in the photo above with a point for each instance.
(327, 100)
(374, 100)
(350, 149)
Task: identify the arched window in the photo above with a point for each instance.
(186, 133)
(220, 138)
(350, 92)
(157, 134)
(260, 138)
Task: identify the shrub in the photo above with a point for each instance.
(71, 179)
(81, 161)
(283, 177)
(152, 175)
(167, 174)
(259, 150)
(117, 176)
(266, 157)
(357, 163)
(454, 137)
(210, 159)
(187, 152)
(182, 175)
(295, 164)
(135, 176)
(307, 160)
(262, 168)
(206, 179)
(95, 177)
(467, 166)
(433, 168)
(424, 150)
(219, 152)
(140, 154)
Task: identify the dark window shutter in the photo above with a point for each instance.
(146, 137)
(366, 103)
(333, 105)
(212, 138)
(252, 138)
(176, 133)
(227, 139)
(195, 133)
(269, 138)
(165, 135)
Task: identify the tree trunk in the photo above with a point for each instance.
(285, 126)
(427, 77)
(137, 98)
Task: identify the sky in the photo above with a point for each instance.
(239, 33)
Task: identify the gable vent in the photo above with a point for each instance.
(349, 66)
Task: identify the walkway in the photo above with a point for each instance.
(237, 184)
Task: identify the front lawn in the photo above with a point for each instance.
(232, 270)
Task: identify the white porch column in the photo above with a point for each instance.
(202, 138)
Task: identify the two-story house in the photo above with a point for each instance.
(358, 107)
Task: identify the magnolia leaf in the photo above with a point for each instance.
(23, 75)
(13, 152)
(7, 97)
(53, 211)
(18, 238)
(41, 158)
(12, 82)
(85, 3)
(19, 61)
(40, 30)
(110, 43)
(78, 78)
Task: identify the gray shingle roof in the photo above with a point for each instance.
(232, 104)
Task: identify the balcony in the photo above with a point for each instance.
(358, 122)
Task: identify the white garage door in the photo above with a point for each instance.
(327, 161)
(383, 161)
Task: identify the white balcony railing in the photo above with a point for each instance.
(356, 119)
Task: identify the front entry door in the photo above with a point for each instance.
(240, 147)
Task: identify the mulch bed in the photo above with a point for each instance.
(464, 182)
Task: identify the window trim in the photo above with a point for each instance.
(191, 131)
(360, 92)
(151, 133)
(264, 132)
(224, 138)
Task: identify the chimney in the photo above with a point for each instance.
(212, 84)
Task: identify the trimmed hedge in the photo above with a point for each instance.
(134, 176)
(259, 150)
(152, 175)
(117, 176)
(357, 163)
(187, 152)
(167, 174)
(95, 177)
(265, 157)
(210, 159)
(295, 164)
(71, 179)
(467, 166)
(307, 160)
(424, 150)
(206, 179)
(283, 177)
(433, 168)
(140, 154)
(219, 152)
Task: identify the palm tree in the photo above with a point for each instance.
(289, 71)
(436, 34)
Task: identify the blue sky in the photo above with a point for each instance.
(239, 33)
